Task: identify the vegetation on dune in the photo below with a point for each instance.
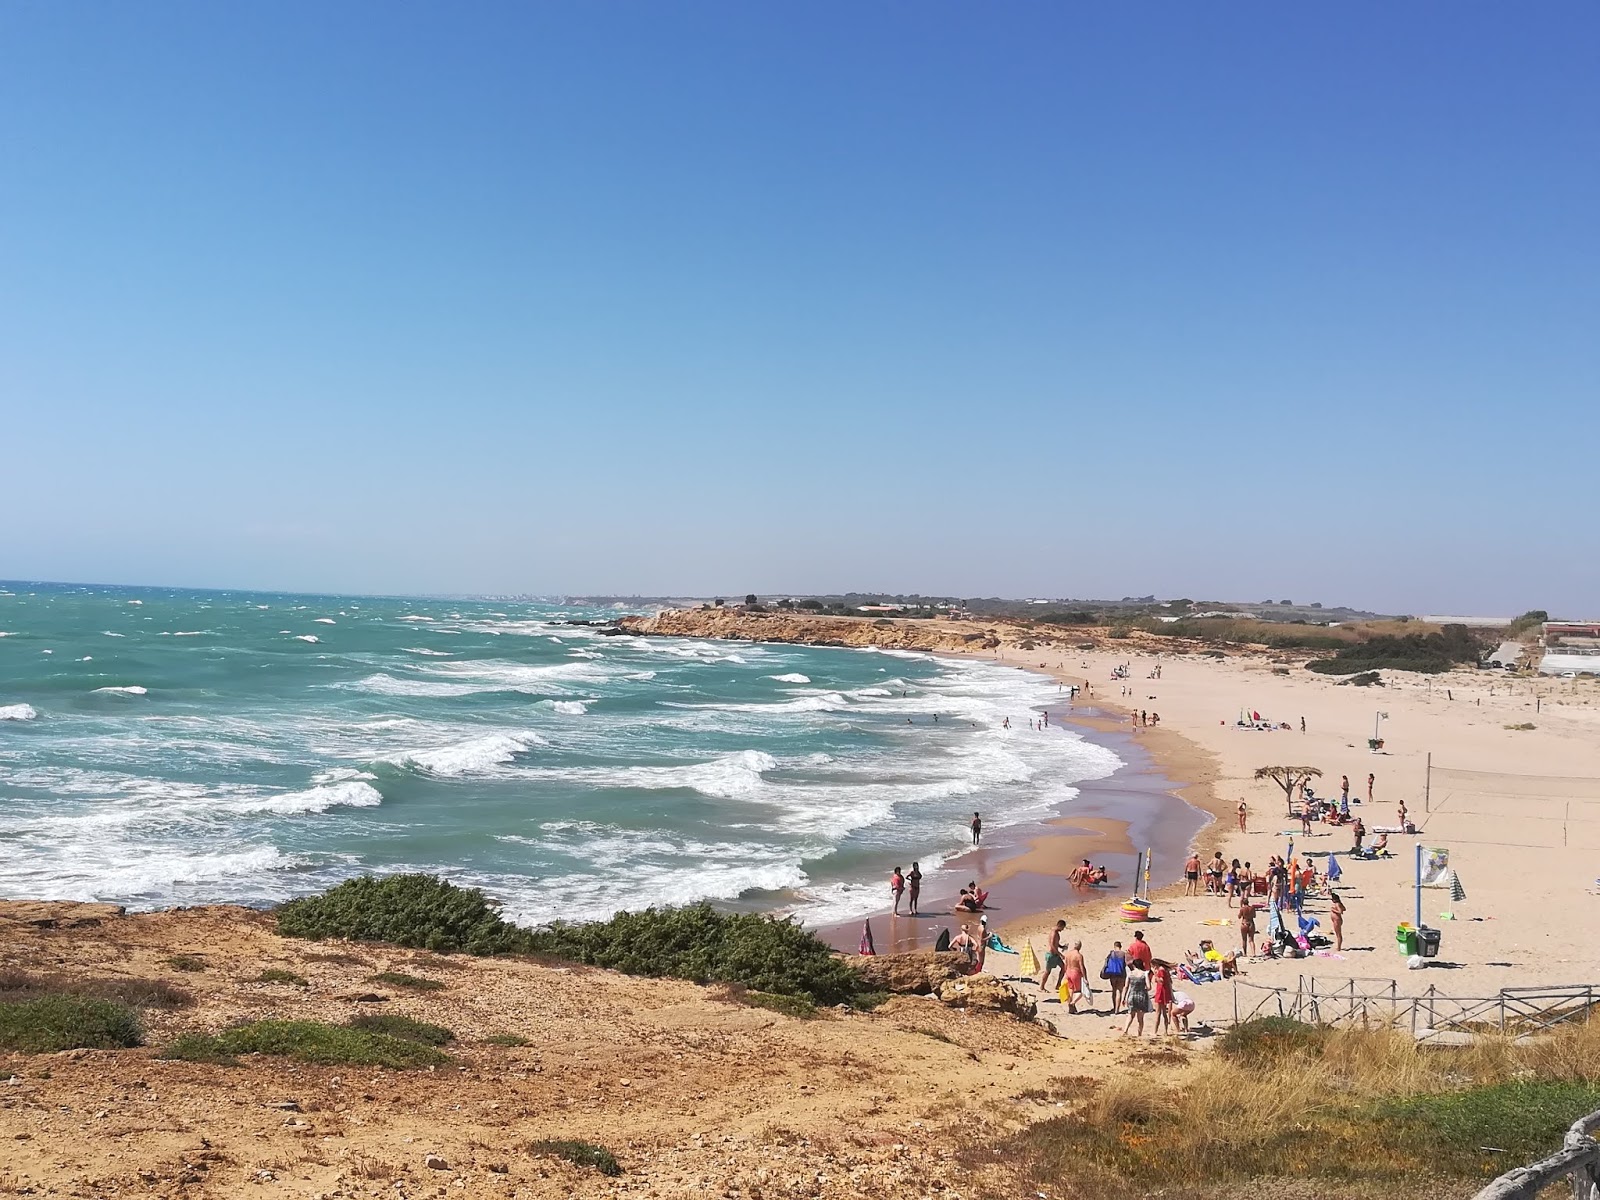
(1343, 1111)
(309, 1042)
(45, 1024)
(581, 1154)
(700, 944)
(508, 1040)
(401, 1026)
(279, 975)
(1528, 622)
(17, 986)
(409, 910)
(400, 979)
(697, 943)
(186, 962)
(1429, 653)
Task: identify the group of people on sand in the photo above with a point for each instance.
(1083, 875)
(1139, 983)
(907, 885)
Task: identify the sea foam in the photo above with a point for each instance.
(17, 712)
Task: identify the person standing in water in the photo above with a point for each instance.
(914, 888)
(977, 829)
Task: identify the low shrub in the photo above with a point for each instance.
(581, 1154)
(401, 979)
(1271, 1039)
(279, 975)
(45, 1024)
(401, 1026)
(790, 1006)
(199, 1048)
(1364, 679)
(308, 1042)
(1429, 653)
(121, 989)
(186, 962)
(698, 943)
(508, 1040)
(421, 911)
(1523, 726)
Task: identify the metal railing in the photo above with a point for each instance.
(1369, 1003)
(1578, 1162)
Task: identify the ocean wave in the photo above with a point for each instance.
(415, 617)
(571, 708)
(423, 650)
(109, 633)
(324, 621)
(792, 677)
(470, 757)
(17, 712)
(306, 637)
(811, 702)
(131, 690)
(351, 793)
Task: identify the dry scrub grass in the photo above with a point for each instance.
(1348, 1108)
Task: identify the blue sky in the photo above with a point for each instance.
(1238, 300)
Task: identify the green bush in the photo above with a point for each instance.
(186, 962)
(308, 1042)
(582, 1154)
(199, 1048)
(46, 1024)
(408, 1028)
(1429, 653)
(120, 989)
(698, 943)
(1267, 1039)
(1527, 1118)
(409, 910)
(400, 979)
(279, 975)
(508, 1040)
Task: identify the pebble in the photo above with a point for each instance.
(434, 1162)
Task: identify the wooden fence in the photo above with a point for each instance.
(1377, 1003)
(1578, 1162)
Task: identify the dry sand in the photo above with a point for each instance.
(1527, 849)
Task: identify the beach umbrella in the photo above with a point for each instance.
(1457, 892)
(1334, 869)
(866, 946)
(1030, 961)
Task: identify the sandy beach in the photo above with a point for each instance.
(1515, 797)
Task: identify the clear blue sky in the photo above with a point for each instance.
(1240, 300)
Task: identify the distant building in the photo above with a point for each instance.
(1570, 648)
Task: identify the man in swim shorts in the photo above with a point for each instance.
(1053, 960)
(1074, 975)
(1191, 874)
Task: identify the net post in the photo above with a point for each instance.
(1427, 786)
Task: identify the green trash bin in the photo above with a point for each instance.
(1406, 936)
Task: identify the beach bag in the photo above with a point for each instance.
(943, 943)
(1116, 967)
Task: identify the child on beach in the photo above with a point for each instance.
(897, 885)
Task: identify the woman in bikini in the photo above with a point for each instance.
(1336, 919)
(1247, 925)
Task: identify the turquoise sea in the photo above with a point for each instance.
(162, 746)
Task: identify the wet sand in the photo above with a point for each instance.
(1137, 808)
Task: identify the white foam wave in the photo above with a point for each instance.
(87, 658)
(306, 637)
(324, 621)
(471, 757)
(17, 712)
(571, 708)
(131, 690)
(109, 633)
(792, 677)
(423, 650)
(415, 617)
(135, 601)
(351, 793)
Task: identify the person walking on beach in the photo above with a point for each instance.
(1161, 996)
(977, 829)
(1336, 919)
(1115, 973)
(1247, 926)
(1244, 813)
(1305, 818)
(1302, 724)
(1344, 792)
(914, 887)
(1139, 951)
(1371, 779)
(897, 885)
(1074, 976)
(1191, 874)
(1138, 996)
(1053, 960)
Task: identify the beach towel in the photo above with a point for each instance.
(1030, 961)
(993, 942)
(866, 946)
